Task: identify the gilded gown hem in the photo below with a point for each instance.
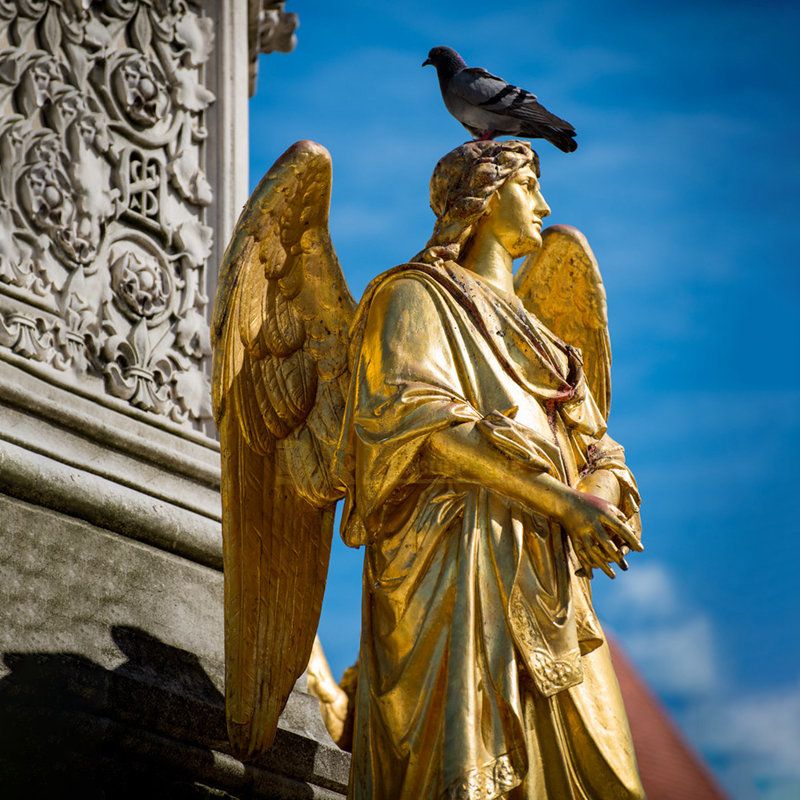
(489, 781)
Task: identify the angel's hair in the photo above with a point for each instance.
(462, 185)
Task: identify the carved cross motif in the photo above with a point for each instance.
(144, 185)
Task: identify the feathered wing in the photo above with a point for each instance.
(561, 284)
(494, 94)
(279, 331)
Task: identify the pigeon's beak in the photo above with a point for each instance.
(426, 62)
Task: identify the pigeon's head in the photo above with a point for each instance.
(445, 59)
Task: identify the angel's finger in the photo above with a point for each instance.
(623, 551)
(603, 542)
(597, 555)
(618, 512)
(608, 571)
(602, 560)
(624, 532)
(591, 551)
(585, 562)
(602, 563)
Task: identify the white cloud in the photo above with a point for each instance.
(645, 593)
(758, 739)
(752, 738)
(673, 646)
(678, 657)
(765, 725)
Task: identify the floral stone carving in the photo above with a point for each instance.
(103, 241)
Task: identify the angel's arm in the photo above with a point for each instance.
(465, 453)
(592, 524)
(333, 700)
(601, 483)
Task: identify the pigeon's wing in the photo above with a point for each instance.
(561, 284)
(280, 336)
(480, 88)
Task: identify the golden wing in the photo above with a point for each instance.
(280, 337)
(561, 284)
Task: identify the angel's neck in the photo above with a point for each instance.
(486, 257)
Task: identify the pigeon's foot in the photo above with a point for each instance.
(485, 136)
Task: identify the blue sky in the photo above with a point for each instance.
(687, 184)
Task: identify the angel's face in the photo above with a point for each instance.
(516, 212)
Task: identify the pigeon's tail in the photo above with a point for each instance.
(538, 123)
(563, 140)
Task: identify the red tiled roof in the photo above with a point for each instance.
(670, 768)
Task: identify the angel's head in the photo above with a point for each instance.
(483, 186)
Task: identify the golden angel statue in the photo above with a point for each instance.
(460, 411)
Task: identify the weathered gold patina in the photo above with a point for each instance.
(460, 412)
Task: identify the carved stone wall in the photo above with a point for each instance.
(103, 236)
(123, 167)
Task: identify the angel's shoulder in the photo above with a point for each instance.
(400, 299)
(405, 284)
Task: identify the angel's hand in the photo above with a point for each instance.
(601, 483)
(333, 700)
(598, 532)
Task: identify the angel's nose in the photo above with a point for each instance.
(542, 209)
(539, 203)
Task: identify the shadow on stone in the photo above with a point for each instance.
(154, 726)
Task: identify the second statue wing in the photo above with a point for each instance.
(279, 330)
(561, 284)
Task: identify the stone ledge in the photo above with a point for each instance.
(93, 756)
(62, 382)
(50, 440)
(155, 718)
(137, 433)
(107, 504)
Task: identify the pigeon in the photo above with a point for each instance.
(487, 106)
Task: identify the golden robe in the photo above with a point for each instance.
(483, 670)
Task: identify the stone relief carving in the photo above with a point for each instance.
(103, 242)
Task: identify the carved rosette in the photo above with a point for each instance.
(103, 243)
